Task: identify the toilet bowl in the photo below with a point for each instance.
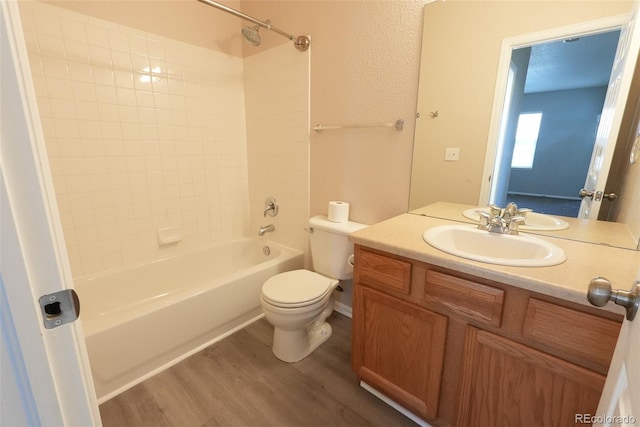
(297, 303)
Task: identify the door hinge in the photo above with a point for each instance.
(59, 308)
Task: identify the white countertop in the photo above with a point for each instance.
(402, 235)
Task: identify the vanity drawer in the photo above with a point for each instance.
(384, 271)
(480, 302)
(573, 332)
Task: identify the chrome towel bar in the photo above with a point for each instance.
(398, 125)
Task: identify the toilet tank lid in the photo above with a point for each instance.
(322, 222)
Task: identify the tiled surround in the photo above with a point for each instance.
(145, 132)
(277, 104)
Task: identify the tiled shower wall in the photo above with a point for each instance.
(142, 133)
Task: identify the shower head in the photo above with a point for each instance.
(251, 35)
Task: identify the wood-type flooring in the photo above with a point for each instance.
(239, 382)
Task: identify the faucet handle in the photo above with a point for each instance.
(510, 210)
(495, 210)
(270, 207)
(513, 223)
(485, 217)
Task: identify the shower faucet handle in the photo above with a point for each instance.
(270, 207)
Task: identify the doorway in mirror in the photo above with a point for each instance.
(553, 104)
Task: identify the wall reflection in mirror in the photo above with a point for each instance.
(539, 138)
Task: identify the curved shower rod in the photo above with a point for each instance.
(300, 42)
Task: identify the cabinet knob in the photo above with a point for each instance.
(600, 293)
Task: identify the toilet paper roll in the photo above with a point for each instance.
(338, 211)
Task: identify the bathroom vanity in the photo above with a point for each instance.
(459, 342)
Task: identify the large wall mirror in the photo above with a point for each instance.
(518, 90)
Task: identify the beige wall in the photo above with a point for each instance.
(277, 106)
(626, 208)
(364, 69)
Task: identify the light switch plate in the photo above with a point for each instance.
(452, 154)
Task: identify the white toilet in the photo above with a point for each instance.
(298, 302)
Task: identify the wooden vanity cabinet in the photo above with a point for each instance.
(398, 347)
(459, 350)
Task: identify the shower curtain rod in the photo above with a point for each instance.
(300, 42)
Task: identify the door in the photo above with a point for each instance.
(612, 111)
(620, 401)
(45, 373)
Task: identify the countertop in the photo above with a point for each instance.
(584, 230)
(402, 235)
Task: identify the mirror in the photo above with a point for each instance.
(456, 101)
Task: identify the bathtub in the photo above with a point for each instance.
(141, 320)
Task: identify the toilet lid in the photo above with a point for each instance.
(296, 288)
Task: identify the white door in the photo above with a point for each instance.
(620, 401)
(613, 109)
(45, 376)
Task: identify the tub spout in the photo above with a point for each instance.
(265, 229)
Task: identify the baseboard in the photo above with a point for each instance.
(342, 309)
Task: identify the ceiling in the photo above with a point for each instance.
(572, 64)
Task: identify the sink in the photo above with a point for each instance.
(469, 242)
(533, 221)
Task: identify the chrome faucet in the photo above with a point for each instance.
(266, 228)
(512, 210)
(504, 221)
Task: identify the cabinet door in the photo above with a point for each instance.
(398, 348)
(509, 384)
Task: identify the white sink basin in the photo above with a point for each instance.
(533, 222)
(467, 241)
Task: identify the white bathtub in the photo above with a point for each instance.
(141, 320)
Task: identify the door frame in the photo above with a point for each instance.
(524, 40)
(50, 378)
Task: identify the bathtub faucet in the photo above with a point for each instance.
(265, 229)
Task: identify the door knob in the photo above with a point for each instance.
(584, 193)
(600, 293)
(599, 195)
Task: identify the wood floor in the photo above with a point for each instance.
(239, 382)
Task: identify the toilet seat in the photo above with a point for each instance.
(297, 288)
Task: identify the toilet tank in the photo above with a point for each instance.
(331, 248)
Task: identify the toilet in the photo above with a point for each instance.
(298, 302)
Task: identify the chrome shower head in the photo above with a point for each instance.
(251, 35)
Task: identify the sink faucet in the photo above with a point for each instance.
(266, 228)
(504, 221)
(512, 210)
